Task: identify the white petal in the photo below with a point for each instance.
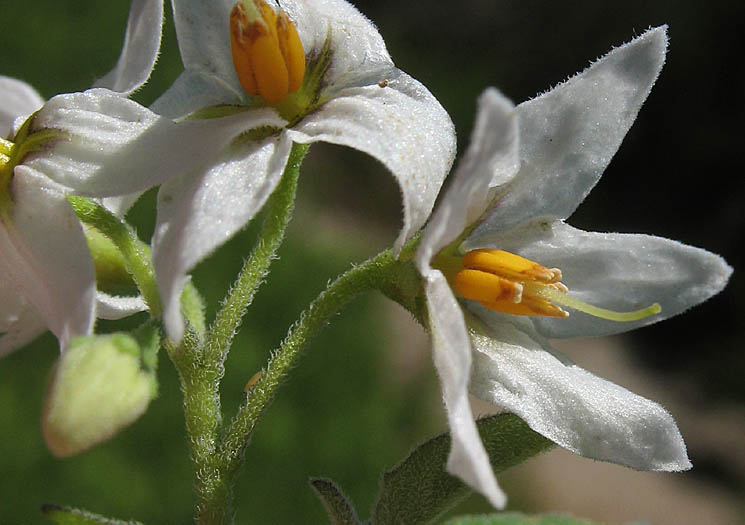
(358, 51)
(621, 272)
(357, 48)
(569, 135)
(119, 206)
(46, 255)
(118, 307)
(140, 50)
(19, 321)
(204, 38)
(200, 211)
(491, 159)
(195, 90)
(204, 42)
(17, 99)
(403, 126)
(118, 147)
(452, 355)
(570, 406)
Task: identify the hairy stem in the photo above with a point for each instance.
(201, 363)
(256, 267)
(136, 253)
(347, 286)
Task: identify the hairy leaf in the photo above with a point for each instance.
(419, 489)
(70, 516)
(338, 507)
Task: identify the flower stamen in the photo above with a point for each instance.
(510, 284)
(268, 55)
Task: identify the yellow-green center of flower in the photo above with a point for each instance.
(13, 152)
(510, 284)
(6, 147)
(268, 55)
(6, 173)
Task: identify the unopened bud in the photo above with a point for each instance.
(98, 387)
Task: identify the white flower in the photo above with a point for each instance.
(351, 95)
(46, 272)
(526, 170)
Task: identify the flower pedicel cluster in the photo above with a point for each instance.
(499, 270)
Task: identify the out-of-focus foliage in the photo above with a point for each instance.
(517, 519)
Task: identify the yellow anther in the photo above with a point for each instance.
(486, 287)
(527, 306)
(510, 266)
(267, 53)
(292, 51)
(510, 284)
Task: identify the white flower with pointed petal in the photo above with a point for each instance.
(491, 312)
(351, 94)
(46, 272)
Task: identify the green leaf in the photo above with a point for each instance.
(70, 516)
(419, 489)
(516, 518)
(338, 507)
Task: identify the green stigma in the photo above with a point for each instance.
(558, 297)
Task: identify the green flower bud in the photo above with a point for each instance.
(98, 387)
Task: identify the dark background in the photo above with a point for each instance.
(366, 392)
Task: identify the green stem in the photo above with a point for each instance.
(201, 366)
(135, 252)
(365, 277)
(256, 267)
(199, 384)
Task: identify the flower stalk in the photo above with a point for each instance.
(367, 276)
(256, 267)
(201, 362)
(136, 253)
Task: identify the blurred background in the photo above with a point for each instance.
(366, 392)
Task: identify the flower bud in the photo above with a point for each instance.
(97, 388)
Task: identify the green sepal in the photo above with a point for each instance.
(419, 489)
(517, 518)
(192, 307)
(402, 283)
(338, 507)
(70, 516)
(309, 97)
(136, 253)
(112, 276)
(148, 336)
(25, 141)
